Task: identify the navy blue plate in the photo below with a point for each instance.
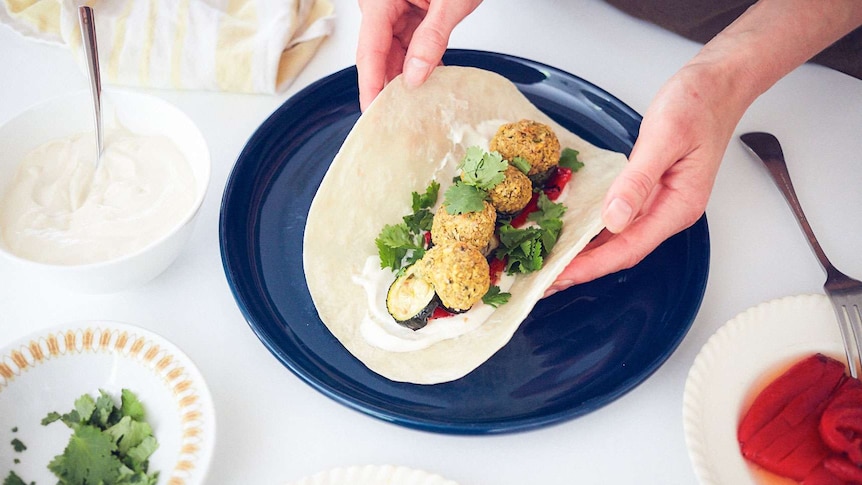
(577, 351)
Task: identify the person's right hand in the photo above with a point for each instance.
(408, 36)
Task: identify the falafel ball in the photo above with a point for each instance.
(513, 193)
(459, 273)
(474, 228)
(533, 141)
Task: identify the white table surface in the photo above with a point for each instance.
(273, 428)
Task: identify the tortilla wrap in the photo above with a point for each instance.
(395, 148)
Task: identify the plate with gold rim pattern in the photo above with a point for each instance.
(47, 370)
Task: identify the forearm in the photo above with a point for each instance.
(774, 37)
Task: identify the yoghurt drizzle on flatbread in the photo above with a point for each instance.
(405, 139)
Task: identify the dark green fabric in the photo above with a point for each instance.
(701, 20)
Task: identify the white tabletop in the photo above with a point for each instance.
(273, 428)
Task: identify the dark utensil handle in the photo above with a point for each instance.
(767, 148)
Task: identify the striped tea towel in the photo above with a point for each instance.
(249, 46)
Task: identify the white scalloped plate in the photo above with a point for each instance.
(374, 475)
(739, 358)
(48, 370)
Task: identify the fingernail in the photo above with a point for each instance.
(416, 71)
(618, 215)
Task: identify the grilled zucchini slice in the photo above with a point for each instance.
(411, 300)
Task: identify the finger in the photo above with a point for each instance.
(372, 54)
(623, 251)
(652, 155)
(431, 38)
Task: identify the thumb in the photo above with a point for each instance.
(431, 38)
(632, 188)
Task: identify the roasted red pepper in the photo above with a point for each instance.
(841, 424)
(555, 185)
(807, 425)
(496, 267)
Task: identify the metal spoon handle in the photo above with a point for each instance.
(767, 148)
(88, 34)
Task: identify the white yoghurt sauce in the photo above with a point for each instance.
(378, 328)
(60, 209)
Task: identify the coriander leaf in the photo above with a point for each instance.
(140, 453)
(395, 236)
(547, 210)
(129, 433)
(18, 445)
(569, 159)
(106, 413)
(419, 221)
(88, 458)
(522, 248)
(521, 164)
(13, 479)
(428, 199)
(131, 406)
(549, 218)
(481, 169)
(394, 243)
(50, 418)
(389, 257)
(85, 406)
(71, 419)
(495, 297)
(461, 198)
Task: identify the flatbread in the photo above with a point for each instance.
(395, 148)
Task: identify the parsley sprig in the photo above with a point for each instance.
(569, 159)
(495, 297)
(109, 444)
(480, 172)
(525, 249)
(402, 244)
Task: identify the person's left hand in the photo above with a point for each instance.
(408, 35)
(666, 184)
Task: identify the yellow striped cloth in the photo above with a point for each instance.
(249, 46)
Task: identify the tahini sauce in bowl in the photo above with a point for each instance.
(61, 209)
(104, 229)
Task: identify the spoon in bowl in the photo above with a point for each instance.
(88, 35)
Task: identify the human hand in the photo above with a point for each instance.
(403, 35)
(666, 184)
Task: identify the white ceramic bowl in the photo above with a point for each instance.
(139, 113)
(741, 356)
(48, 370)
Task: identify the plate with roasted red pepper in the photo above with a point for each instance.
(769, 400)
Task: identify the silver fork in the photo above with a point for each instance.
(844, 291)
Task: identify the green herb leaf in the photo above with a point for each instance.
(419, 221)
(50, 418)
(569, 159)
(18, 446)
(13, 479)
(495, 297)
(481, 169)
(404, 243)
(85, 406)
(461, 198)
(112, 446)
(88, 458)
(521, 164)
(428, 199)
(522, 248)
(130, 405)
